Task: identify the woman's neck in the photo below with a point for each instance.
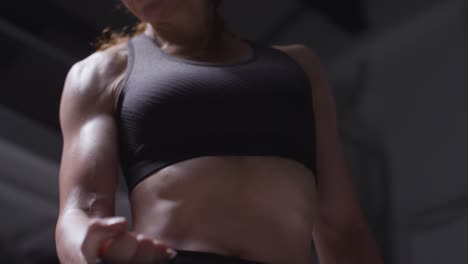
(201, 42)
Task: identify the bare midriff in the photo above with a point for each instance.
(257, 208)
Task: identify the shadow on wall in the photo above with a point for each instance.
(403, 94)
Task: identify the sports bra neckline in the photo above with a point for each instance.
(252, 58)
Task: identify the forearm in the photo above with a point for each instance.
(361, 247)
(347, 247)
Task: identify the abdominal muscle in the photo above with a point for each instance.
(258, 208)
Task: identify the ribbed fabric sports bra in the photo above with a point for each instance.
(171, 109)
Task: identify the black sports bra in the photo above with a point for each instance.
(171, 109)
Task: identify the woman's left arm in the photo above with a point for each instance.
(340, 231)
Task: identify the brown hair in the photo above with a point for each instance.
(111, 38)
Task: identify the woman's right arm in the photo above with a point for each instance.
(89, 169)
(89, 165)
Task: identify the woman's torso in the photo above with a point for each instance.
(241, 205)
(254, 207)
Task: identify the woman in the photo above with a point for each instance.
(221, 143)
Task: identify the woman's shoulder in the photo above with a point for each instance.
(296, 48)
(106, 63)
(305, 56)
(97, 74)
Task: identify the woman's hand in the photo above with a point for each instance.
(108, 239)
(134, 248)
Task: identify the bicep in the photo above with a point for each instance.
(89, 163)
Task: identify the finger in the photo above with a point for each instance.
(114, 223)
(145, 251)
(121, 249)
(105, 229)
(100, 230)
(162, 251)
(104, 246)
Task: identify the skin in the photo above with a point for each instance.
(212, 204)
